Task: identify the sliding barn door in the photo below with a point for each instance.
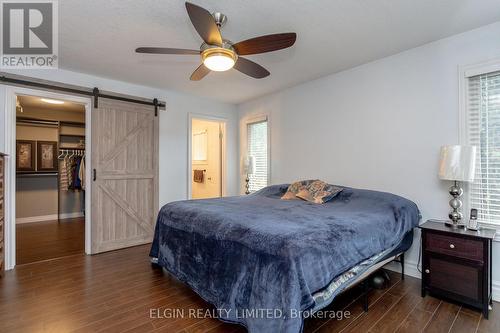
(125, 189)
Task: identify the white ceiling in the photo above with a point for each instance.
(99, 37)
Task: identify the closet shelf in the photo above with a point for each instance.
(72, 123)
(71, 148)
(73, 135)
(37, 174)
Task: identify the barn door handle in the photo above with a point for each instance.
(94, 174)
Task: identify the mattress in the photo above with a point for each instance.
(261, 259)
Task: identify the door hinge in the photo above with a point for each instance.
(94, 172)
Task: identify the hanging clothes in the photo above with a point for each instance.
(70, 172)
(77, 185)
(63, 179)
(81, 173)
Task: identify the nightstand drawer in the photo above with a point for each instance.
(454, 246)
(453, 277)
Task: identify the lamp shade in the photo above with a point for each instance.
(457, 163)
(249, 165)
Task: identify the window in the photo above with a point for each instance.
(257, 147)
(483, 131)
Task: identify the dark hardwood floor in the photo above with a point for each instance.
(49, 239)
(115, 292)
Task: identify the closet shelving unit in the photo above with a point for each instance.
(71, 137)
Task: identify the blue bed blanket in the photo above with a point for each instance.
(260, 259)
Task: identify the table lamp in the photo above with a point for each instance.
(458, 164)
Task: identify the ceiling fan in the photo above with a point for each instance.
(219, 54)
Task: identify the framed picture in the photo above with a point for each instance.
(46, 156)
(25, 155)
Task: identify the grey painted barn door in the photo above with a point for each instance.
(125, 159)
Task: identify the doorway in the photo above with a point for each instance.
(207, 158)
(121, 165)
(41, 222)
(50, 178)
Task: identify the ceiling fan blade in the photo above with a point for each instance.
(251, 68)
(204, 23)
(165, 50)
(199, 73)
(266, 43)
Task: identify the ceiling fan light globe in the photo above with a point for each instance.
(218, 59)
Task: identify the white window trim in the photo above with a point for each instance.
(464, 72)
(244, 122)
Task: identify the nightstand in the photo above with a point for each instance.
(456, 264)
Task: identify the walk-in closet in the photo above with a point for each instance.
(50, 179)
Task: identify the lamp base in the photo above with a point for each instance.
(247, 185)
(454, 225)
(455, 216)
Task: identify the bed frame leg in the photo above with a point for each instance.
(154, 263)
(402, 261)
(365, 295)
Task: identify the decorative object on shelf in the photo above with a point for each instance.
(25, 155)
(458, 164)
(248, 169)
(47, 156)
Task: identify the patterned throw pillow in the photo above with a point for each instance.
(319, 192)
(294, 188)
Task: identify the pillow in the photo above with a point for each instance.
(294, 188)
(319, 192)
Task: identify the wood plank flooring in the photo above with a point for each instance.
(115, 292)
(49, 239)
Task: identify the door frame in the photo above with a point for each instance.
(10, 166)
(222, 121)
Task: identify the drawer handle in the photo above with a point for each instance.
(452, 246)
(427, 271)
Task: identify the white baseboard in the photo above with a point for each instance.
(52, 217)
(495, 291)
(411, 270)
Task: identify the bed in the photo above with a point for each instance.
(263, 261)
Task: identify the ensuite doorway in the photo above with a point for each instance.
(207, 158)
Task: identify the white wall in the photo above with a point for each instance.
(173, 127)
(379, 125)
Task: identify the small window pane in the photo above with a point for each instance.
(257, 147)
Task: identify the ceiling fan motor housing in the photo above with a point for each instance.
(220, 19)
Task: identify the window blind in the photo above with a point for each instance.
(257, 147)
(483, 129)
